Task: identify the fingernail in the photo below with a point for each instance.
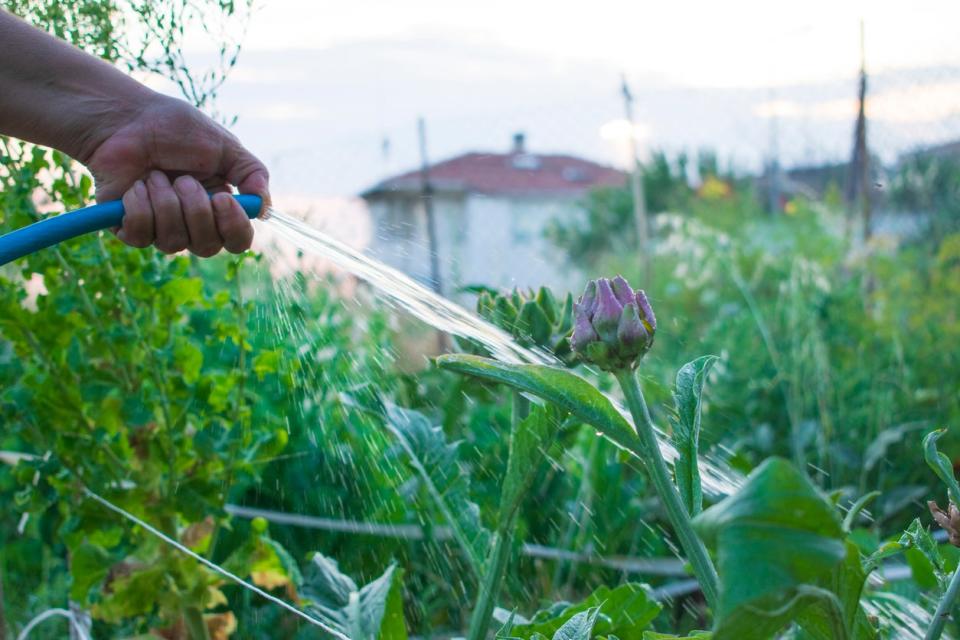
(158, 179)
(140, 190)
(122, 235)
(185, 185)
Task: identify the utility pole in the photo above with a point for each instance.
(773, 168)
(426, 193)
(636, 183)
(858, 191)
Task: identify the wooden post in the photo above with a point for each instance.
(426, 193)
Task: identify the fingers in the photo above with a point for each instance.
(137, 229)
(232, 223)
(182, 215)
(205, 240)
(171, 229)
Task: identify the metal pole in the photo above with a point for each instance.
(636, 184)
(426, 191)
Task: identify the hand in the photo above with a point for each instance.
(162, 160)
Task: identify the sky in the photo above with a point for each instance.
(328, 93)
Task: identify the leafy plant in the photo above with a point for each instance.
(371, 612)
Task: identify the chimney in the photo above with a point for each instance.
(519, 142)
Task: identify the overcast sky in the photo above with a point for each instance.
(320, 86)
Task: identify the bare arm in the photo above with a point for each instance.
(133, 140)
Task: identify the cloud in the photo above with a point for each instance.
(284, 111)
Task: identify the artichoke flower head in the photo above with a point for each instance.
(614, 324)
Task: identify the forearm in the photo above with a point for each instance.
(55, 95)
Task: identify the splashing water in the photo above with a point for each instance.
(902, 618)
(449, 317)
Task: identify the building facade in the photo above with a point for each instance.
(490, 211)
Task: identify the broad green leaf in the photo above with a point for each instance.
(686, 430)
(436, 462)
(532, 439)
(846, 581)
(693, 635)
(624, 612)
(371, 612)
(579, 627)
(89, 565)
(567, 390)
(781, 527)
(189, 360)
(941, 464)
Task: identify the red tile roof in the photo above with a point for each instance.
(508, 173)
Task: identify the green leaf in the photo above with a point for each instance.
(686, 431)
(923, 555)
(532, 439)
(369, 613)
(437, 464)
(567, 390)
(781, 527)
(189, 360)
(579, 627)
(266, 362)
(846, 581)
(625, 612)
(89, 565)
(693, 635)
(941, 464)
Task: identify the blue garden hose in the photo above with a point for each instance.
(55, 230)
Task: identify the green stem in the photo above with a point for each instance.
(3, 617)
(196, 627)
(943, 608)
(679, 518)
(492, 580)
(496, 565)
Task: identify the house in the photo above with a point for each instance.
(490, 211)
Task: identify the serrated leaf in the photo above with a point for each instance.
(567, 390)
(625, 612)
(923, 555)
(436, 462)
(373, 612)
(686, 431)
(781, 527)
(579, 627)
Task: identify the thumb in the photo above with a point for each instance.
(245, 170)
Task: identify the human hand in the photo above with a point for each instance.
(162, 159)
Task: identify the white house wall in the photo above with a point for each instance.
(489, 240)
(504, 243)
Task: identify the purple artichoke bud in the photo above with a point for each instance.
(606, 314)
(583, 333)
(646, 312)
(621, 289)
(613, 324)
